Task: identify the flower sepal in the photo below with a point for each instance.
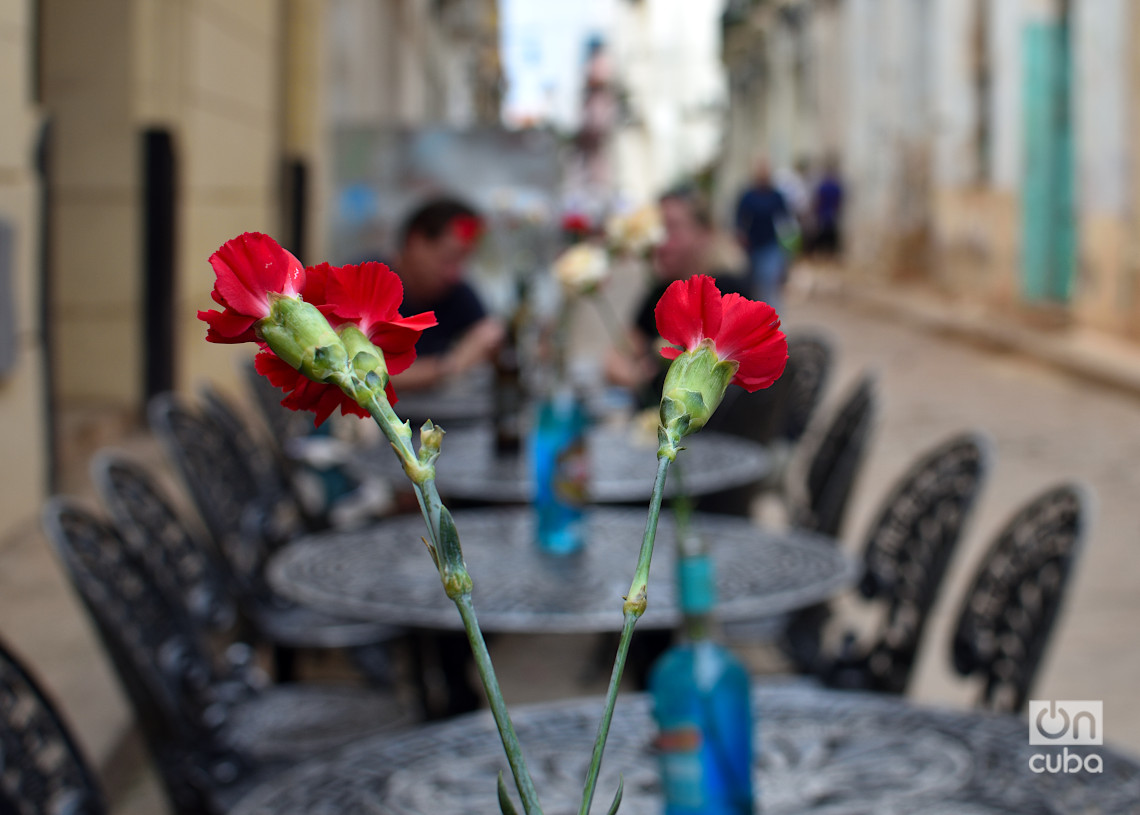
(301, 336)
(368, 364)
(694, 387)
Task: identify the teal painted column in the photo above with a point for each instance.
(1048, 221)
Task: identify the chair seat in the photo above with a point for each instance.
(300, 627)
(287, 722)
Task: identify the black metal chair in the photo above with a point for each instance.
(1009, 612)
(905, 559)
(211, 728)
(184, 566)
(247, 525)
(810, 359)
(283, 424)
(836, 461)
(276, 474)
(42, 769)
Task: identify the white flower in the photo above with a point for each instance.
(582, 268)
(636, 232)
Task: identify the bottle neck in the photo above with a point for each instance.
(697, 627)
(696, 591)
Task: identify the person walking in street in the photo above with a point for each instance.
(761, 214)
(827, 206)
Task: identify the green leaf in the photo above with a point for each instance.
(450, 552)
(505, 804)
(617, 796)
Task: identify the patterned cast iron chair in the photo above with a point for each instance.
(210, 728)
(1009, 612)
(810, 359)
(42, 770)
(283, 424)
(275, 474)
(775, 416)
(905, 559)
(836, 461)
(157, 535)
(247, 526)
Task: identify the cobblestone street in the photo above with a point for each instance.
(1046, 426)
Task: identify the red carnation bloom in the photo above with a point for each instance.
(575, 223)
(248, 269)
(742, 330)
(467, 228)
(368, 296)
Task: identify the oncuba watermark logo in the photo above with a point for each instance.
(1060, 723)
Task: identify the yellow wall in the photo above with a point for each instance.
(22, 425)
(228, 138)
(95, 242)
(213, 74)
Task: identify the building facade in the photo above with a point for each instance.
(136, 136)
(984, 142)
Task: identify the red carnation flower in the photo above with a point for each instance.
(576, 224)
(743, 331)
(368, 296)
(467, 228)
(249, 268)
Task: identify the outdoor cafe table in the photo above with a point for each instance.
(623, 464)
(383, 572)
(817, 751)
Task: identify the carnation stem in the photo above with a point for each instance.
(634, 606)
(399, 434)
(507, 734)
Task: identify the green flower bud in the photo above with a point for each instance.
(694, 388)
(366, 359)
(298, 333)
(431, 439)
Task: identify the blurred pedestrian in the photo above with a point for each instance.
(827, 207)
(762, 213)
(691, 246)
(436, 243)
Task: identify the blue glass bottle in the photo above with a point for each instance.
(702, 705)
(560, 467)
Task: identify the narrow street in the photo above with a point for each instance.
(1046, 427)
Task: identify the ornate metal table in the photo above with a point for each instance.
(463, 400)
(622, 466)
(819, 751)
(383, 573)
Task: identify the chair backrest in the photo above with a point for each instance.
(178, 694)
(264, 458)
(909, 547)
(42, 770)
(245, 524)
(1009, 612)
(810, 357)
(836, 462)
(184, 566)
(283, 423)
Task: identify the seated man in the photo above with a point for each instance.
(692, 246)
(436, 241)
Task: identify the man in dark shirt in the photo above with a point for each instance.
(759, 215)
(828, 206)
(436, 241)
(688, 249)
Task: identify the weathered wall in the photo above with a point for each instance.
(22, 425)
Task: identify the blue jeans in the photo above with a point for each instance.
(768, 264)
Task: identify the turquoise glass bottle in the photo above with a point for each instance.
(560, 467)
(702, 705)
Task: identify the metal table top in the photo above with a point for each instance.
(383, 572)
(622, 466)
(818, 751)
